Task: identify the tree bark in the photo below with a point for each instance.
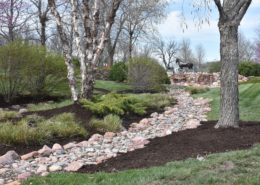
(229, 101)
(231, 12)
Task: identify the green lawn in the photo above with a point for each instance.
(111, 85)
(244, 170)
(249, 102)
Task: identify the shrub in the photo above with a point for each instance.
(196, 90)
(24, 68)
(146, 74)
(214, 67)
(114, 104)
(36, 130)
(118, 72)
(249, 69)
(110, 123)
(121, 104)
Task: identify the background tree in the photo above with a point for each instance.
(41, 10)
(185, 52)
(257, 47)
(245, 48)
(13, 19)
(166, 51)
(200, 55)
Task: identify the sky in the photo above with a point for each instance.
(207, 34)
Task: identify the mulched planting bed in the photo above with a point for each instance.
(81, 115)
(182, 145)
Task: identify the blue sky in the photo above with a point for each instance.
(208, 34)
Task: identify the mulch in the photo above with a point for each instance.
(182, 145)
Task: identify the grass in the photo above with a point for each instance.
(111, 85)
(37, 130)
(196, 90)
(6, 115)
(213, 170)
(249, 102)
(110, 123)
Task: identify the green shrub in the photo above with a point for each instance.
(25, 69)
(118, 104)
(110, 123)
(249, 69)
(146, 74)
(36, 130)
(118, 72)
(121, 104)
(214, 67)
(196, 90)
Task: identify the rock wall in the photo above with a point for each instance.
(200, 79)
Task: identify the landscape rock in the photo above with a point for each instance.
(22, 111)
(192, 123)
(45, 151)
(24, 176)
(109, 135)
(69, 146)
(57, 147)
(74, 166)
(42, 169)
(55, 168)
(29, 155)
(9, 158)
(2, 181)
(14, 183)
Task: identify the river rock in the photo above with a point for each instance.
(29, 155)
(74, 166)
(9, 158)
(45, 151)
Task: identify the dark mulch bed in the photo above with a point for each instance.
(182, 145)
(22, 100)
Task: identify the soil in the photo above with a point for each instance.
(23, 100)
(182, 145)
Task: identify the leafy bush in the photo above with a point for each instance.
(121, 104)
(24, 68)
(146, 74)
(214, 67)
(118, 72)
(110, 123)
(114, 104)
(197, 90)
(37, 130)
(249, 69)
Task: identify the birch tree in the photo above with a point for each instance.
(90, 39)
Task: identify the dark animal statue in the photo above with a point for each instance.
(182, 65)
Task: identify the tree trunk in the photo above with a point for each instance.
(229, 102)
(43, 31)
(87, 83)
(71, 77)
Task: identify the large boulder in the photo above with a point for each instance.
(9, 158)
